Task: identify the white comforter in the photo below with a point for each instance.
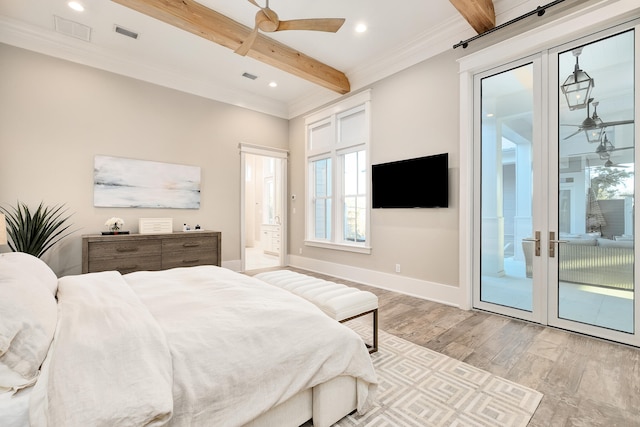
(199, 346)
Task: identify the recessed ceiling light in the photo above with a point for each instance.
(361, 28)
(76, 6)
(273, 84)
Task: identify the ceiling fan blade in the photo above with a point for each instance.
(573, 134)
(619, 122)
(246, 45)
(610, 164)
(253, 2)
(330, 25)
(623, 148)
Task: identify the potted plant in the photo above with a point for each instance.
(35, 232)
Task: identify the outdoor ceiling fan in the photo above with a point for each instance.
(594, 124)
(604, 150)
(609, 164)
(267, 21)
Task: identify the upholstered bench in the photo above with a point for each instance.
(340, 302)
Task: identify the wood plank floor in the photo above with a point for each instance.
(585, 381)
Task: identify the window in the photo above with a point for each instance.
(322, 199)
(338, 176)
(355, 197)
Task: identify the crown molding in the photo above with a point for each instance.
(53, 44)
(430, 43)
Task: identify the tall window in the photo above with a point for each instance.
(355, 196)
(322, 198)
(337, 176)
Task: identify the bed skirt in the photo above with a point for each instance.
(325, 403)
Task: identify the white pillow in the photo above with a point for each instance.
(32, 268)
(28, 310)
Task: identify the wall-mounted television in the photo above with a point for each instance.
(421, 182)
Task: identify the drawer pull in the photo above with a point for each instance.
(126, 249)
(190, 261)
(190, 245)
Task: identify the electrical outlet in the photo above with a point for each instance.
(300, 251)
(397, 268)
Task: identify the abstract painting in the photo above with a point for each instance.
(130, 183)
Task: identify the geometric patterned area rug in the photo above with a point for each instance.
(420, 387)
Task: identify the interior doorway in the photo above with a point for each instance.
(263, 207)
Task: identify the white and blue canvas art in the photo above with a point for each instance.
(130, 183)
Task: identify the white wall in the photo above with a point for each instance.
(55, 116)
(414, 113)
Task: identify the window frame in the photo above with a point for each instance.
(335, 150)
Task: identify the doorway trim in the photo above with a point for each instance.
(596, 16)
(264, 151)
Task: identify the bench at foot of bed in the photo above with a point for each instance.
(339, 302)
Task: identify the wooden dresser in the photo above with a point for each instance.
(135, 252)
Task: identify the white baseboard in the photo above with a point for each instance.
(444, 294)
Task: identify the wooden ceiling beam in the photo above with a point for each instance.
(480, 14)
(197, 19)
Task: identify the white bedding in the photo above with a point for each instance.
(202, 345)
(109, 362)
(14, 408)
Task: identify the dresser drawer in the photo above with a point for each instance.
(126, 265)
(195, 243)
(189, 258)
(124, 249)
(124, 255)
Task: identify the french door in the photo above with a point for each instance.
(554, 192)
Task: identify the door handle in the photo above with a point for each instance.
(536, 240)
(552, 244)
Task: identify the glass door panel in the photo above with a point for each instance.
(596, 161)
(507, 245)
(555, 184)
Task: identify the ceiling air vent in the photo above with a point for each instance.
(249, 76)
(73, 29)
(120, 30)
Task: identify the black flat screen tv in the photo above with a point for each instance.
(422, 182)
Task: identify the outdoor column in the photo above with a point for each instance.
(492, 239)
(523, 216)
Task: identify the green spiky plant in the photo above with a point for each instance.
(35, 232)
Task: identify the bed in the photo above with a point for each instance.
(196, 346)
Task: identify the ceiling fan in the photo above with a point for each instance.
(609, 164)
(267, 21)
(604, 150)
(594, 122)
(192, 16)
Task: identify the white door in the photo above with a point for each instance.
(555, 187)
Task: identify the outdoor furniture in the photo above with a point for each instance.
(591, 261)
